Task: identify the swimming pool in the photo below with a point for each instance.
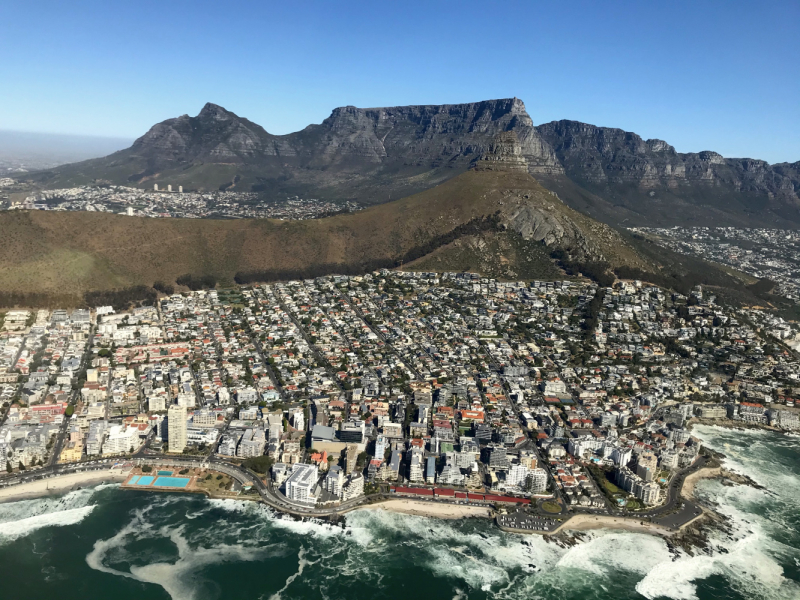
(145, 480)
(178, 482)
(165, 472)
(133, 480)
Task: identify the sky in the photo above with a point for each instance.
(722, 76)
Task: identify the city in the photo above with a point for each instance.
(166, 202)
(546, 399)
(771, 254)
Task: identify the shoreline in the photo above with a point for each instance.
(590, 522)
(61, 484)
(687, 489)
(429, 509)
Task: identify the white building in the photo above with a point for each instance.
(121, 439)
(354, 487)
(177, 428)
(537, 481)
(300, 484)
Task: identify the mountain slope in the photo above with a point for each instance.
(374, 155)
(616, 176)
(370, 155)
(72, 252)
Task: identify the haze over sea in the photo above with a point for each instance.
(109, 543)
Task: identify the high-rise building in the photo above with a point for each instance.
(537, 480)
(300, 484)
(177, 428)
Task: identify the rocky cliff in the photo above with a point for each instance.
(641, 177)
(373, 155)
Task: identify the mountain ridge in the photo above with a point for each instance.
(372, 155)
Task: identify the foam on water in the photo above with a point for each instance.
(607, 553)
(179, 578)
(749, 559)
(18, 519)
(302, 563)
(15, 529)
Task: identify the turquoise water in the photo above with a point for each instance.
(178, 482)
(107, 542)
(145, 480)
(133, 479)
(165, 473)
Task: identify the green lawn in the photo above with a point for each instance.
(551, 506)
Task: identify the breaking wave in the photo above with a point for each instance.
(21, 518)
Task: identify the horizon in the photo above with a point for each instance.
(693, 75)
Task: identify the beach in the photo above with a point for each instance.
(430, 509)
(60, 484)
(687, 491)
(588, 522)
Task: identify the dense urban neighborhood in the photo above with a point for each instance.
(170, 201)
(762, 253)
(551, 397)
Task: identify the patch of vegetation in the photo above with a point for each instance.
(164, 288)
(551, 506)
(259, 464)
(598, 271)
(200, 282)
(122, 299)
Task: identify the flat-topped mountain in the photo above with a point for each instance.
(373, 155)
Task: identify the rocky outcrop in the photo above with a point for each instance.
(503, 154)
(606, 156)
(373, 155)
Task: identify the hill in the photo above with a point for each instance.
(75, 252)
(495, 218)
(370, 155)
(374, 155)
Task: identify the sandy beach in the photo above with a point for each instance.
(430, 509)
(60, 485)
(687, 491)
(588, 522)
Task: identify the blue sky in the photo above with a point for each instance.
(721, 76)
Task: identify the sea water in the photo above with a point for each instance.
(107, 542)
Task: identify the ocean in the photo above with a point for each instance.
(108, 543)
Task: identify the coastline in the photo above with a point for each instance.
(589, 522)
(687, 490)
(429, 509)
(62, 484)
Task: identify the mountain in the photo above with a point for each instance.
(373, 155)
(370, 155)
(617, 176)
(494, 218)
(497, 202)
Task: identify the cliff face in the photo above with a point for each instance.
(617, 164)
(428, 136)
(373, 155)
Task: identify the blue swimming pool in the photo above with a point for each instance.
(145, 480)
(165, 472)
(178, 482)
(133, 480)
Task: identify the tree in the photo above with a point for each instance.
(259, 464)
